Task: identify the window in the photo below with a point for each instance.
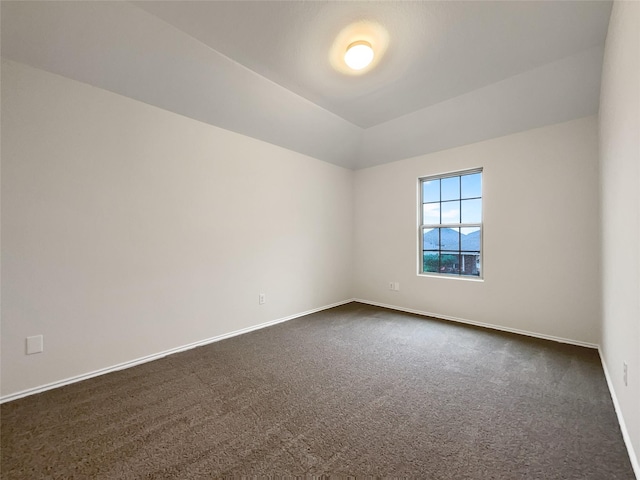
(450, 234)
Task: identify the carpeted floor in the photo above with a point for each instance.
(355, 390)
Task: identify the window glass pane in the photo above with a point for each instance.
(449, 239)
(449, 263)
(471, 185)
(470, 239)
(470, 263)
(430, 239)
(471, 211)
(431, 191)
(451, 212)
(430, 213)
(450, 188)
(430, 262)
(455, 201)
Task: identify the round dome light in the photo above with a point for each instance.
(359, 55)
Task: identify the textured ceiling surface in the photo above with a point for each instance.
(451, 73)
(438, 50)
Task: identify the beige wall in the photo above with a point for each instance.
(128, 230)
(541, 244)
(620, 191)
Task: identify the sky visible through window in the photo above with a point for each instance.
(451, 219)
(455, 200)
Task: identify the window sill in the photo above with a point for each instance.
(467, 278)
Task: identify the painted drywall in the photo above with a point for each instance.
(123, 49)
(459, 91)
(557, 92)
(128, 230)
(619, 124)
(436, 50)
(541, 241)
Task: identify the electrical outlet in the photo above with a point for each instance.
(396, 286)
(624, 373)
(262, 299)
(35, 344)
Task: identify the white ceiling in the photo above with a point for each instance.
(453, 72)
(438, 50)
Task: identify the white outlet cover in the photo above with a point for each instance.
(35, 344)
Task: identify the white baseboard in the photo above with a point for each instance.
(480, 324)
(625, 434)
(623, 427)
(156, 356)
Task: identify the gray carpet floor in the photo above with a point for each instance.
(351, 391)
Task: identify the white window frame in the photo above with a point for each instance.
(422, 226)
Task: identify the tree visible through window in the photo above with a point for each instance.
(451, 223)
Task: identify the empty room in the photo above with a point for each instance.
(311, 239)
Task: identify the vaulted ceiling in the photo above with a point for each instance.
(451, 72)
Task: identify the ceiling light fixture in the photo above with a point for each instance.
(359, 55)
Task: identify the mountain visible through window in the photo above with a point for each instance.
(451, 224)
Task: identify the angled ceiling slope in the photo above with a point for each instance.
(454, 72)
